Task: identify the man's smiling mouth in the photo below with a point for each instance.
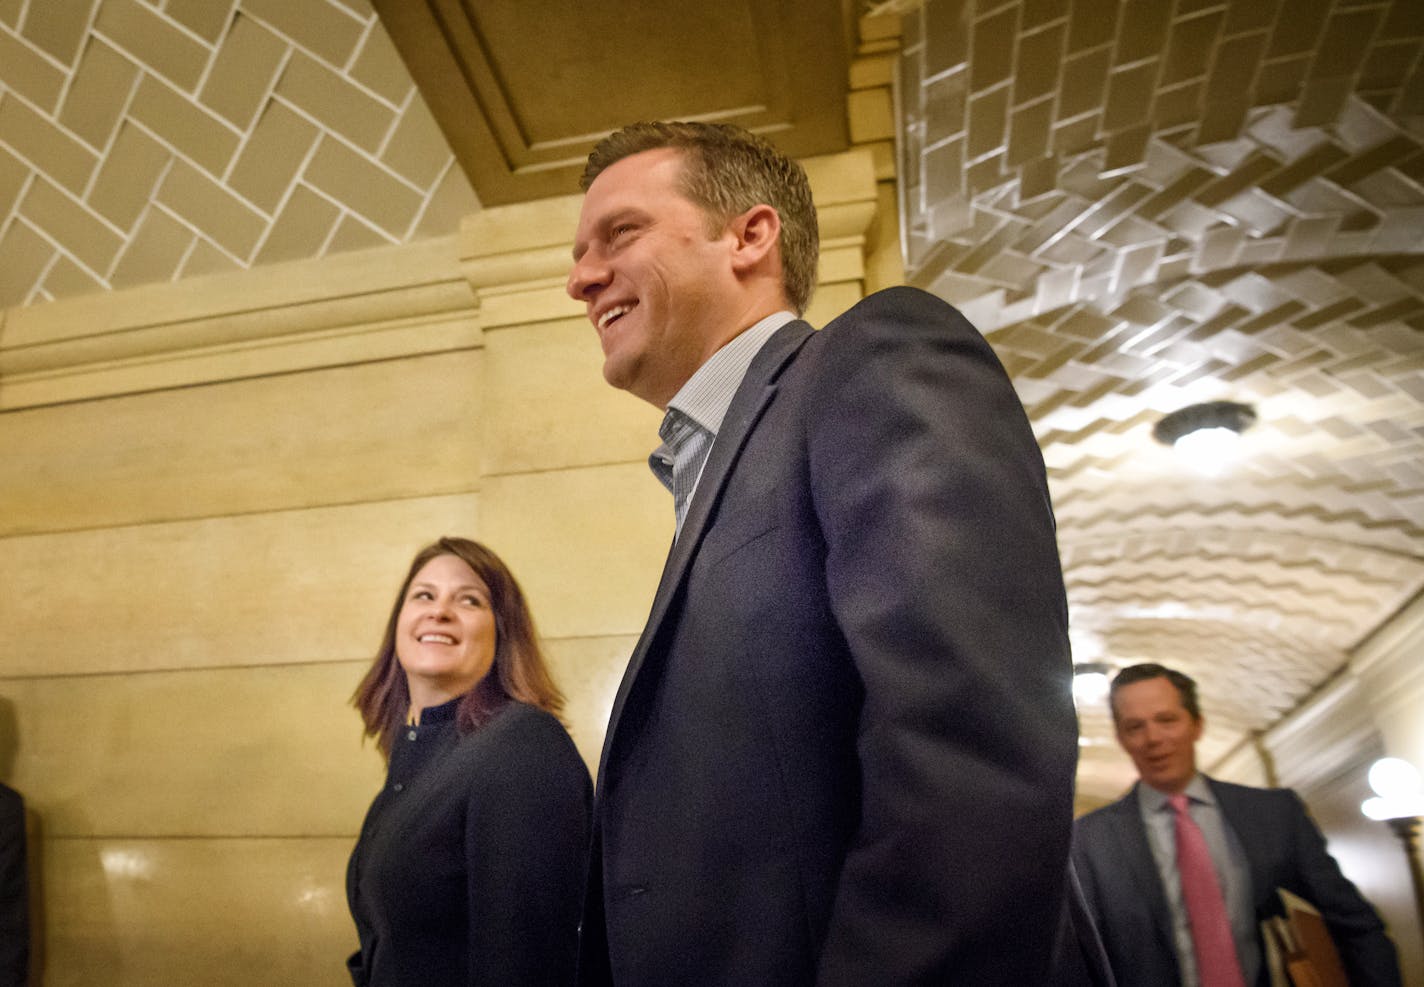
(613, 314)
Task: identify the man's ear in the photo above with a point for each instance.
(758, 234)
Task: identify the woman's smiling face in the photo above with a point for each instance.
(445, 635)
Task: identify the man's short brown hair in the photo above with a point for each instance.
(1185, 685)
(727, 170)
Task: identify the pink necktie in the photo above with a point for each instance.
(1217, 965)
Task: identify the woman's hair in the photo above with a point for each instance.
(518, 672)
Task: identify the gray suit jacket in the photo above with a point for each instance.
(843, 749)
(1284, 850)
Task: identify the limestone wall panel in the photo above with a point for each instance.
(368, 432)
(555, 410)
(270, 751)
(588, 670)
(134, 913)
(279, 588)
(588, 545)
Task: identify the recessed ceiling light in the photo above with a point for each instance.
(1206, 435)
(1090, 682)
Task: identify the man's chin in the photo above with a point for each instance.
(615, 374)
(1169, 782)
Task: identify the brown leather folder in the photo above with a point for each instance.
(1299, 950)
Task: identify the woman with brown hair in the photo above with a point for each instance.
(470, 865)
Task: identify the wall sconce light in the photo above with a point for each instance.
(1399, 801)
(1206, 435)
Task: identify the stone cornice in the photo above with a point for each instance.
(347, 308)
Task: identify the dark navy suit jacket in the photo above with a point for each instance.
(14, 891)
(1284, 850)
(843, 750)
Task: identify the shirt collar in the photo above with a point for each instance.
(443, 713)
(708, 393)
(1153, 800)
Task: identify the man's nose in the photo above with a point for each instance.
(586, 278)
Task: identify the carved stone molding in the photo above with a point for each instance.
(522, 92)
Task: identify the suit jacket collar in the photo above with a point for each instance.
(752, 397)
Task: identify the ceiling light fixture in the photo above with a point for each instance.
(1206, 435)
(1090, 682)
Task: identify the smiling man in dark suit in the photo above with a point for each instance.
(843, 749)
(1163, 927)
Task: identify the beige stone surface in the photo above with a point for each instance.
(29, 73)
(238, 94)
(318, 92)
(154, 41)
(241, 76)
(378, 65)
(135, 913)
(349, 290)
(531, 301)
(417, 150)
(64, 279)
(203, 16)
(360, 433)
(88, 239)
(355, 234)
(157, 248)
(587, 544)
(841, 261)
(22, 258)
(128, 177)
(564, 414)
(267, 164)
(13, 176)
(57, 28)
(205, 259)
(64, 159)
(246, 590)
(222, 217)
(222, 752)
(322, 28)
(340, 172)
(451, 199)
(191, 129)
(830, 300)
(304, 224)
(588, 670)
(871, 115)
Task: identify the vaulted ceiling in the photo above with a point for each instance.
(1149, 205)
(1143, 205)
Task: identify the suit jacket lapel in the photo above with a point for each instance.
(1142, 868)
(752, 397)
(1241, 822)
